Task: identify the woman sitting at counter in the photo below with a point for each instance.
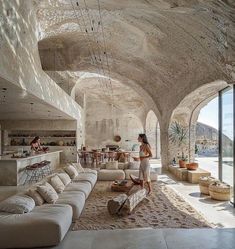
(36, 145)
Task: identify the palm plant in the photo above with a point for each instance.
(178, 135)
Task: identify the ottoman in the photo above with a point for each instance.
(111, 175)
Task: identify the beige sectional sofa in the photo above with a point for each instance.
(46, 225)
(120, 171)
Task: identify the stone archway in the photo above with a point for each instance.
(187, 113)
(152, 130)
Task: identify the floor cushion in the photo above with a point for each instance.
(111, 175)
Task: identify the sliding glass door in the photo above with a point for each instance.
(226, 135)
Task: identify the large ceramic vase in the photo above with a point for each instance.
(182, 164)
(192, 166)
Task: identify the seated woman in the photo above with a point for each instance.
(35, 144)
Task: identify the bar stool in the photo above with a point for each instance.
(45, 167)
(112, 156)
(96, 158)
(33, 173)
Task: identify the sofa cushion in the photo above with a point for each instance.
(84, 187)
(33, 193)
(64, 177)
(87, 177)
(57, 184)
(78, 167)
(135, 172)
(111, 175)
(112, 165)
(75, 199)
(17, 204)
(71, 171)
(43, 226)
(47, 192)
(93, 171)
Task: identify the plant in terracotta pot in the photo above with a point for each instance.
(182, 160)
(178, 135)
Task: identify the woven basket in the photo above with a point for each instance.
(220, 191)
(204, 183)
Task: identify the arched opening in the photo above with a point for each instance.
(186, 114)
(152, 129)
(207, 137)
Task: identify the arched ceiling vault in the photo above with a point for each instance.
(164, 49)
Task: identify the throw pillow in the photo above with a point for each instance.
(78, 166)
(72, 172)
(33, 193)
(17, 204)
(57, 184)
(112, 165)
(64, 177)
(48, 193)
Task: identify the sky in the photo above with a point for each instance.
(209, 114)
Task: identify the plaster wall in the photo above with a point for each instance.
(20, 63)
(104, 122)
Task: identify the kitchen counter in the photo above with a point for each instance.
(12, 170)
(40, 154)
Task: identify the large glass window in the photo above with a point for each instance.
(227, 136)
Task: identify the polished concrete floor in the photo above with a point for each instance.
(150, 239)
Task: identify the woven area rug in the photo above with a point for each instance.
(164, 208)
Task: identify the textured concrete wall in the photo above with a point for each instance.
(20, 62)
(104, 122)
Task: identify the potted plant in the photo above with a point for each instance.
(182, 160)
(178, 135)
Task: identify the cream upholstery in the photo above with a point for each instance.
(45, 225)
(71, 171)
(47, 192)
(75, 199)
(57, 184)
(87, 177)
(84, 187)
(17, 204)
(111, 175)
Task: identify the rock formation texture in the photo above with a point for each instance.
(150, 54)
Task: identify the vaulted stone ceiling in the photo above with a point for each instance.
(162, 49)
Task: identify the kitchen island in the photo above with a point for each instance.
(12, 169)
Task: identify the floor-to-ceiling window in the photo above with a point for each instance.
(206, 145)
(226, 135)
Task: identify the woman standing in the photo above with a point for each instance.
(144, 155)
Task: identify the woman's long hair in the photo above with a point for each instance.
(34, 140)
(144, 138)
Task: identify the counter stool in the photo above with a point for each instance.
(45, 166)
(33, 173)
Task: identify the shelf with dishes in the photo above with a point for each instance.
(47, 138)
